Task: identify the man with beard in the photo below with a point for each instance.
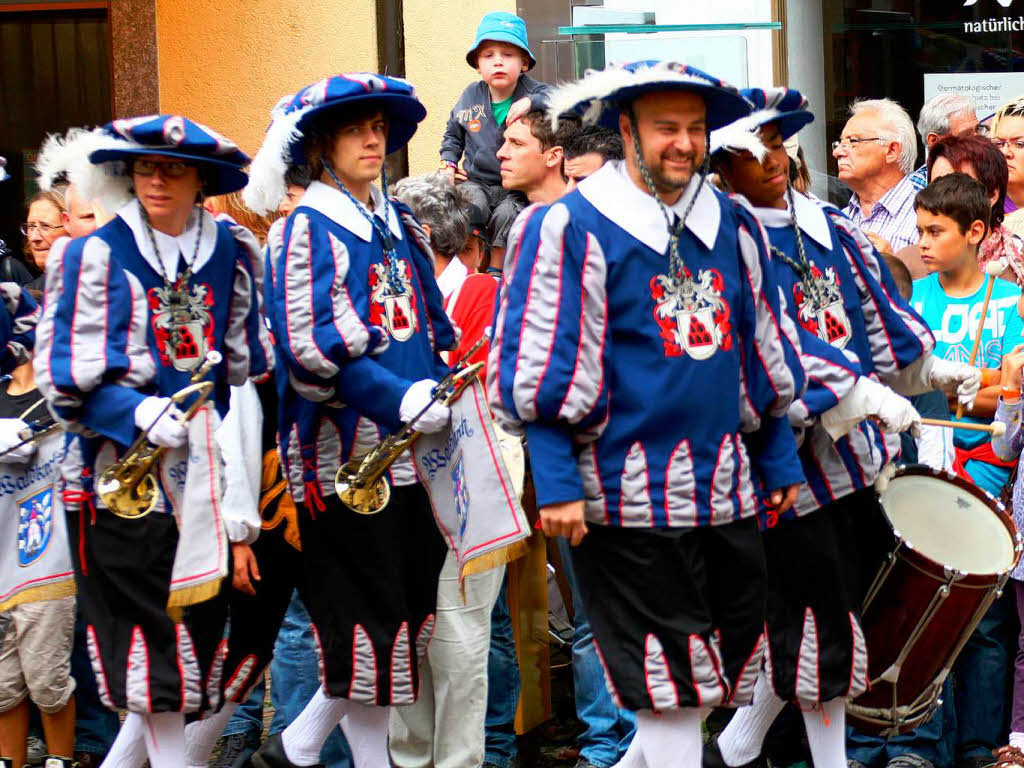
(645, 268)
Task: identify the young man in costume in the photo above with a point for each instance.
(644, 267)
(360, 322)
(844, 299)
(137, 308)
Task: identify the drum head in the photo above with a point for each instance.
(949, 524)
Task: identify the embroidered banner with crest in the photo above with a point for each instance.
(475, 502)
(36, 560)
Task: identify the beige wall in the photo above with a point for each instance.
(437, 35)
(227, 62)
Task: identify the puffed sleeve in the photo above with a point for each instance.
(88, 367)
(772, 376)
(898, 336)
(17, 326)
(248, 352)
(327, 343)
(546, 367)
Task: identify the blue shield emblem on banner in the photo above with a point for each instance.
(461, 492)
(35, 523)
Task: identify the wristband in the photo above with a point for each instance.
(449, 164)
(990, 377)
(1009, 394)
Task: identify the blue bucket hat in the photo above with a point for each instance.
(602, 95)
(786, 107)
(285, 142)
(180, 138)
(501, 27)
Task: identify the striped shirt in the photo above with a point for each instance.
(892, 218)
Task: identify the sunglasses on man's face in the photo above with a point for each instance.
(171, 169)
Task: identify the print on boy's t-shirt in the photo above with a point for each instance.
(954, 322)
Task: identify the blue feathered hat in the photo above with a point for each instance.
(602, 95)
(96, 161)
(285, 142)
(786, 107)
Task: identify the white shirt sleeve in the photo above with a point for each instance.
(240, 439)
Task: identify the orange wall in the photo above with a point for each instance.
(227, 62)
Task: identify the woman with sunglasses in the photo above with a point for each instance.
(135, 311)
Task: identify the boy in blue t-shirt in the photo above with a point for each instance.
(952, 219)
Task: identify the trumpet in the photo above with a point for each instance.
(127, 487)
(360, 483)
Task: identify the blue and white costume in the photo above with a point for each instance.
(638, 390)
(115, 331)
(855, 330)
(357, 319)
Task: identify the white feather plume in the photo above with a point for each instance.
(105, 183)
(598, 85)
(737, 138)
(267, 187)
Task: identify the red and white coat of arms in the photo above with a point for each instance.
(396, 314)
(823, 315)
(177, 311)
(692, 315)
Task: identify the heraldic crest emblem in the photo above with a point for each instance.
(691, 313)
(391, 309)
(182, 323)
(819, 304)
(35, 524)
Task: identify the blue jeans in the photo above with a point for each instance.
(95, 726)
(609, 729)
(248, 718)
(502, 687)
(295, 676)
(933, 741)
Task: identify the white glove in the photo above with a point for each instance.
(415, 400)
(943, 374)
(10, 436)
(869, 398)
(166, 429)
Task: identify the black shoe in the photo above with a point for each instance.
(713, 757)
(271, 755)
(6, 762)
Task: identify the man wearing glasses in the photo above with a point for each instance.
(876, 153)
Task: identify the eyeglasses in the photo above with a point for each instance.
(44, 229)
(848, 143)
(173, 169)
(1017, 144)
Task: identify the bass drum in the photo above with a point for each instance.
(952, 550)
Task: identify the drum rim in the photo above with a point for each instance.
(997, 506)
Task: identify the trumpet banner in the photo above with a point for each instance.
(36, 560)
(475, 502)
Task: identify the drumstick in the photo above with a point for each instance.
(993, 269)
(996, 428)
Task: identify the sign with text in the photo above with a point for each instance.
(990, 90)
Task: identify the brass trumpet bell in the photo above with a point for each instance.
(127, 487)
(360, 483)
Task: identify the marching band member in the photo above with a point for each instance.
(638, 339)
(137, 308)
(360, 322)
(845, 301)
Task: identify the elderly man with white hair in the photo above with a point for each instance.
(876, 154)
(948, 114)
